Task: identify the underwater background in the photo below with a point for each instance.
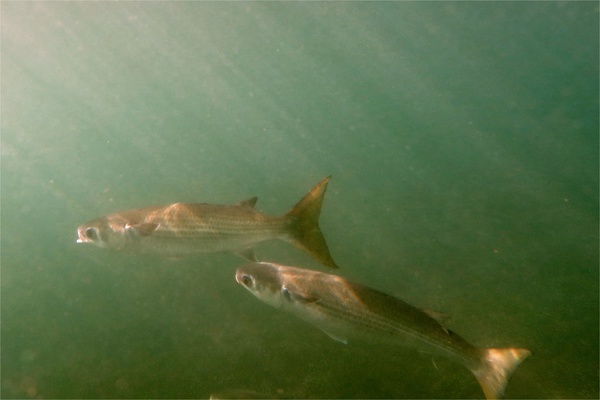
(463, 142)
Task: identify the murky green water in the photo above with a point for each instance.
(463, 143)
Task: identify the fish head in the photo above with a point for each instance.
(106, 232)
(263, 281)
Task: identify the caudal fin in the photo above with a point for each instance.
(499, 366)
(304, 224)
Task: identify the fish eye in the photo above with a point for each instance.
(91, 233)
(246, 280)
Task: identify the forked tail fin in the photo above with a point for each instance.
(499, 366)
(304, 224)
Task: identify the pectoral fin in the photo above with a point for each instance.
(145, 229)
(304, 299)
(299, 297)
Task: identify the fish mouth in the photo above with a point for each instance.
(81, 236)
(238, 276)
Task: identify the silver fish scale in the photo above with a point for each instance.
(207, 222)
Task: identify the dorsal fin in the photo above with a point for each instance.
(251, 202)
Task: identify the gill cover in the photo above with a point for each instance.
(262, 280)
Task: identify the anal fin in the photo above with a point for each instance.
(248, 254)
(335, 337)
(440, 317)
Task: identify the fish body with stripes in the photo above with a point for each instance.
(183, 229)
(348, 311)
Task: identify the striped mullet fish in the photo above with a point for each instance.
(347, 311)
(182, 229)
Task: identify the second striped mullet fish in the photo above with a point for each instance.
(350, 311)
